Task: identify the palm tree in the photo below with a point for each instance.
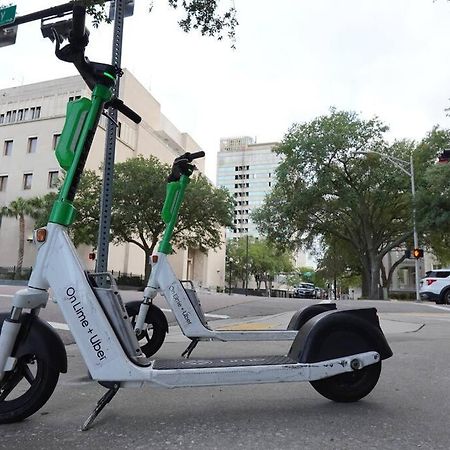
(20, 208)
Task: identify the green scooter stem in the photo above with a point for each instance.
(73, 148)
(172, 204)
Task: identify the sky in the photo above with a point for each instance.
(294, 59)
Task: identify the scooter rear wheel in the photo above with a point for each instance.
(351, 386)
(24, 390)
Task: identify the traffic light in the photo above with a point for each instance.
(418, 253)
(407, 253)
(444, 157)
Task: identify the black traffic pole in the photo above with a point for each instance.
(110, 148)
(229, 277)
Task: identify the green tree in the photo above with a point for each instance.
(433, 196)
(139, 192)
(302, 274)
(87, 203)
(203, 15)
(19, 209)
(324, 189)
(262, 260)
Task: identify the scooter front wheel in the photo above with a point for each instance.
(351, 386)
(152, 337)
(24, 390)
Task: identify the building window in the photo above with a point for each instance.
(56, 137)
(8, 116)
(25, 114)
(53, 179)
(7, 149)
(27, 179)
(2, 118)
(20, 114)
(37, 112)
(32, 144)
(31, 113)
(3, 182)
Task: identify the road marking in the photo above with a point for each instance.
(213, 316)
(59, 326)
(444, 308)
(217, 316)
(6, 295)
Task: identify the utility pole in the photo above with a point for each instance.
(110, 148)
(246, 264)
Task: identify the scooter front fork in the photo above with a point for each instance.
(149, 295)
(140, 321)
(10, 330)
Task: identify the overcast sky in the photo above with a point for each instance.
(294, 59)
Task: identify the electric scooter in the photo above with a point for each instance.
(150, 323)
(338, 352)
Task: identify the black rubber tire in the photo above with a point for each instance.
(446, 297)
(351, 386)
(39, 391)
(153, 336)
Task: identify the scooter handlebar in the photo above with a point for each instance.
(196, 155)
(78, 33)
(124, 109)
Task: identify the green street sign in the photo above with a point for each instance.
(7, 14)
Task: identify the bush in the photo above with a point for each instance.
(403, 296)
(130, 280)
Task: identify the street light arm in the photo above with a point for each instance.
(396, 161)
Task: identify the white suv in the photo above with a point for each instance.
(436, 286)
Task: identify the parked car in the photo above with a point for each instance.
(436, 286)
(305, 290)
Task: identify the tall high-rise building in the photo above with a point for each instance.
(247, 170)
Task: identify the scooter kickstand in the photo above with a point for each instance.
(110, 393)
(190, 348)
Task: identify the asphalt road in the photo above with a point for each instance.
(409, 408)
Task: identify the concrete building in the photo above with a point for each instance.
(247, 169)
(31, 121)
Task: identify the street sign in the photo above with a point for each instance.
(7, 14)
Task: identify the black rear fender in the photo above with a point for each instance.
(338, 333)
(302, 316)
(39, 338)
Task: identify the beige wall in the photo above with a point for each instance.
(155, 135)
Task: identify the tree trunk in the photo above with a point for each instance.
(21, 244)
(374, 293)
(148, 251)
(365, 277)
(148, 266)
(392, 269)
